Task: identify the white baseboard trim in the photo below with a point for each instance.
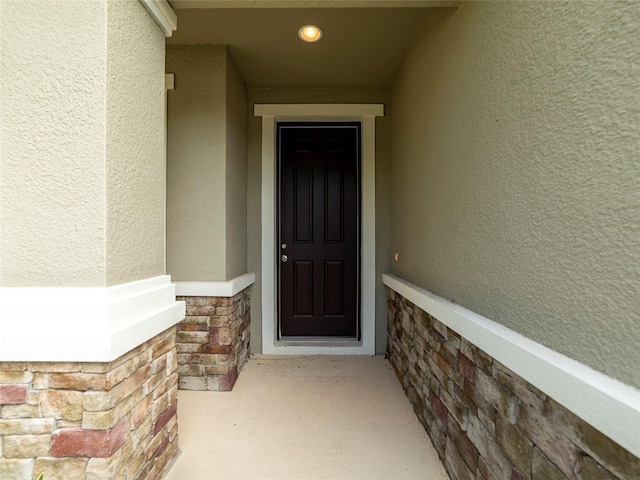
(609, 405)
(77, 324)
(229, 288)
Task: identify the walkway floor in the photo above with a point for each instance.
(305, 418)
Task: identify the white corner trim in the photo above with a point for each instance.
(78, 324)
(169, 81)
(215, 289)
(271, 114)
(609, 405)
(163, 14)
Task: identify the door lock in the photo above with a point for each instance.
(284, 258)
(284, 246)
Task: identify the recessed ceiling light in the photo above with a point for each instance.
(310, 33)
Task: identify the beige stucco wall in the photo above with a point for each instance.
(254, 220)
(516, 139)
(135, 170)
(196, 164)
(82, 132)
(236, 178)
(206, 165)
(52, 128)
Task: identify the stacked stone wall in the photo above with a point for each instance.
(213, 341)
(485, 421)
(91, 421)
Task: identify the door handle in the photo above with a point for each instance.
(284, 258)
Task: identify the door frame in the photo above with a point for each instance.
(366, 115)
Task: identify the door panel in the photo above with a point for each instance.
(303, 284)
(334, 287)
(318, 215)
(303, 204)
(334, 202)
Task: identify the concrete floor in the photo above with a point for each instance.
(305, 418)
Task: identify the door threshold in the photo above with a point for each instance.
(320, 342)
(317, 347)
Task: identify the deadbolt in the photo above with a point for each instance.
(284, 258)
(284, 246)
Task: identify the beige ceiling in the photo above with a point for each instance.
(361, 47)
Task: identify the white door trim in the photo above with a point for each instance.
(271, 114)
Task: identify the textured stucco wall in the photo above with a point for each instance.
(516, 139)
(254, 220)
(82, 160)
(135, 144)
(52, 127)
(236, 179)
(196, 164)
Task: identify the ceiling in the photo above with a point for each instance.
(361, 47)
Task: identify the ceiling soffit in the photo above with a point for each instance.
(361, 47)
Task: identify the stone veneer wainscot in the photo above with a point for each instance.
(213, 341)
(91, 421)
(484, 420)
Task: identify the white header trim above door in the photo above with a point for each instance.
(304, 112)
(271, 114)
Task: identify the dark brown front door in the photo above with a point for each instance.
(318, 244)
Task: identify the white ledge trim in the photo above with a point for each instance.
(609, 405)
(163, 14)
(84, 324)
(215, 289)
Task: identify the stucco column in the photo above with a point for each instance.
(207, 166)
(83, 181)
(207, 214)
(87, 314)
